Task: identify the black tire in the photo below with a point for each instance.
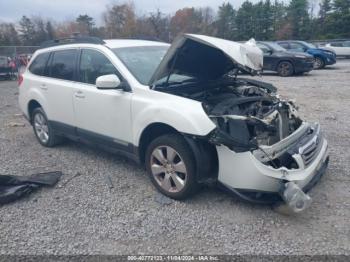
(185, 154)
(319, 63)
(52, 139)
(285, 69)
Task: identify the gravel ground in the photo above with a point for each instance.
(85, 217)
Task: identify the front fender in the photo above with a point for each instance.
(185, 115)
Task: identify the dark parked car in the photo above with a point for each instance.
(5, 69)
(285, 63)
(322, 57)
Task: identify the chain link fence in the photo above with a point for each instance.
(13, 60)
(15, 51)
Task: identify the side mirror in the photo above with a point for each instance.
(108, 82)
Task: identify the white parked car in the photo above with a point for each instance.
(179, 110)
(341, 48)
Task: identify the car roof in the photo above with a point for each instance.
(120, 43)
(110, 43)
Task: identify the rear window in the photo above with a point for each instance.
(37, 67)
(63, 64)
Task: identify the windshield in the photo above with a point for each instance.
(174, 79)
(276, 47)
(142, 61)
(309, 45)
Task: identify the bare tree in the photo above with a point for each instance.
(120, 20)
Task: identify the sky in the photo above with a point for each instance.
(62, 10)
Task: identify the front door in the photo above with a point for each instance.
(102, 116)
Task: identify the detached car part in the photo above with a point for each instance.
(16, 187)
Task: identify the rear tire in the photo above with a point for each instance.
(285, 69)
(170, 164)
(43, 130)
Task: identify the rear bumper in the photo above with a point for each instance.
(247, 172)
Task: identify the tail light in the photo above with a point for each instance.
(20, 79)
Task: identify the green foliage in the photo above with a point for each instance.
(226, 22)
(263, 20)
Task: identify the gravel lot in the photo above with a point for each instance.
(85, 217)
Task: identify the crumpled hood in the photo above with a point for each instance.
(208, 58)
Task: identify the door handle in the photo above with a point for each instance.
(43, 86)
(79, 94)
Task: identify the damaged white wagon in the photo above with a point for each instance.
(181, 110)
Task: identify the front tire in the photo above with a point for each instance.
(43, 130)
(318, 63)
(285, 69)
(171, 166)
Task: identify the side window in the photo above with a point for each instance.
(296, 47)
(37, 67)
(94, 64)
(63, 64)
(284, 45)
(337, 44)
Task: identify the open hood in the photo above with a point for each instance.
(208, 58)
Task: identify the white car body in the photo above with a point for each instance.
(81, 107)
(339, 48)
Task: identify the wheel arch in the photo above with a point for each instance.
(149, 134)
(32, 105)
(202, 150)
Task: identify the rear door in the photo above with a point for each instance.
(102, 116)
(58, 89)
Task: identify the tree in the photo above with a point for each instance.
(182, 22)
(339, 19)
(50, 31)
(159, 25)
(279, 18)
(192, 20)
(27, 31)
(226, 22)
(8, 34)
(86, 24)
(40, 34)
(120, 21)
(205, 19)
(245, 21)
(298, 18)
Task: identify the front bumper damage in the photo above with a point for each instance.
(252, 174)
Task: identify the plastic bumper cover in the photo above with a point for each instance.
(243, 171)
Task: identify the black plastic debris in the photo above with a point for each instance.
(15, 187)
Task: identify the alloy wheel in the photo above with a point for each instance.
(168, 169)
(284, 69)
(318, 63)
(41, 128)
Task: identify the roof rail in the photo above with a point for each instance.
(73, 40)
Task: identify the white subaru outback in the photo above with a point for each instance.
(180, 110)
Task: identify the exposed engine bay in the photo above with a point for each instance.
(247, 112)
